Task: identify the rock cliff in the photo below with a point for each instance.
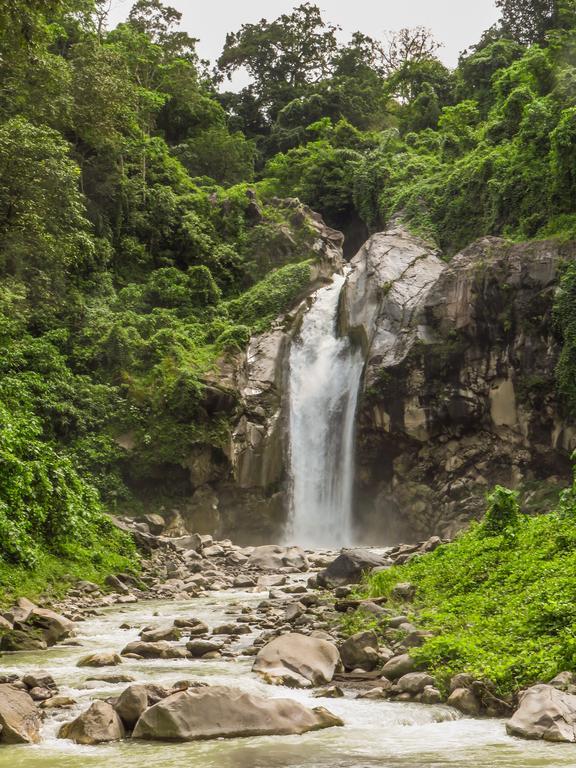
(459, 390)
(241, 490)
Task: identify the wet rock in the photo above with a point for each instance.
(199, 648)
(332, 692)
(414, 682)
(160, 650)
(97, 725)
(118, 586)
(398, 667)
(381, 691)
(160, 633)
(297, 660)
(349, 567)
(131, 704)
(23, 640)
(58, 702)
(101, 659)
(19, 717)
(272, 558)
(464, 700)
(53, 626)
(224, 712)
(545, 713)
(113, 679)
(232, 629)
(40, 679)
(360, 651)
(431, 695)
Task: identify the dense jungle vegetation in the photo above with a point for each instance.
(141, 226)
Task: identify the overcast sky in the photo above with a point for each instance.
(455, 23)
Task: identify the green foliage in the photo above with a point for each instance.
(499, 613)
(503, 513)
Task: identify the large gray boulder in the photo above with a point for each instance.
(544, 713)
(19, 717)
(349, 567)
(271, 557)
(223, 712)
(297, 660)
(100, 723)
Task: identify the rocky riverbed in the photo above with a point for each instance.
(234, 657)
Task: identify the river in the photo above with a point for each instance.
(376, 733)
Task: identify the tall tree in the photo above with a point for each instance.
(283, 56)
(528, 21)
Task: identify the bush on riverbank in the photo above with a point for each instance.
(500, 599)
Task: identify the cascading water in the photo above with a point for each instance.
(325, 372)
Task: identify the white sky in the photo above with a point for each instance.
(455, 23)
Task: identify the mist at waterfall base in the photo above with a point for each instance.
(324, 379)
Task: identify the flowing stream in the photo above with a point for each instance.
(325, 372)
(376, 733)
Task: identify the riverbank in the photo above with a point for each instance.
(375, 732)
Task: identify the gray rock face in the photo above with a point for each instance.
(544, 713)
(223, 712)
(459, 386)
(19, 717)
(97, 725)
(349, 567)
(297, 660)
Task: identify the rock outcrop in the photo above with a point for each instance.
(459, 389)
(223, 712)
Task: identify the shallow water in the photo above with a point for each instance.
(376, 733)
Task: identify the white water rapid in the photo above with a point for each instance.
(325, 373)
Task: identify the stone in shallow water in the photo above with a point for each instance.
(544, 713)
(297, 660)
(226, 712)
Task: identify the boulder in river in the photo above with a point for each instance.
(131, 703)
(544, 713)
(224, 712)
(271, 557)
(160, 633)
(101, 659)
(19, 717)
(98, 724)
(349, 567)
(160, 650)
(297, 660)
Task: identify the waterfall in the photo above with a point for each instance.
(325, 373)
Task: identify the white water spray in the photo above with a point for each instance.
(325, 373)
